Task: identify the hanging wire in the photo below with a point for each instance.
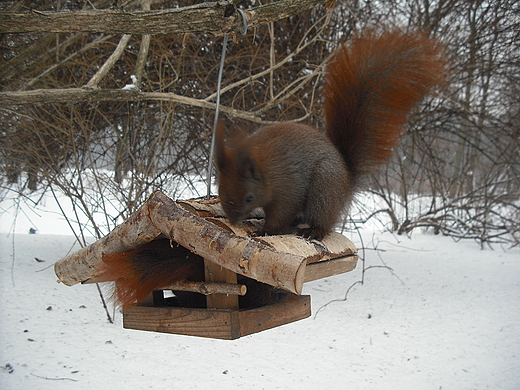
(212, 150)
(217, 109)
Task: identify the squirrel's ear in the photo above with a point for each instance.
(220, 146)
(253, 170)
(247, 165)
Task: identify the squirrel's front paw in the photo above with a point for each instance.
(312, 233)
(258, 233)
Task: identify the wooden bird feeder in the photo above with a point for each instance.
(250, 283)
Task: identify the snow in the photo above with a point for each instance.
(444, 315)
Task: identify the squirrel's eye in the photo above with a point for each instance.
(249, 198)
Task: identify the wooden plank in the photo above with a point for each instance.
(267, 317)
(328, 268)
(218, 324)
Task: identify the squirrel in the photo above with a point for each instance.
(297, 174)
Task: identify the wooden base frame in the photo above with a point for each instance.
(226, 324)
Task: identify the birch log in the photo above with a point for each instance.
(84, 265)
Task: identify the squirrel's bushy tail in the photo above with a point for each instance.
(372, 84)
(153, 266)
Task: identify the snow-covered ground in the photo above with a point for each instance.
(447, 316)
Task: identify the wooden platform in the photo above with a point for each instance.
(224, 324)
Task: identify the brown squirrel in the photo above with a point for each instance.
(299, 175)
(294, 172)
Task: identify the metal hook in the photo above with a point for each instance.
(244, 21)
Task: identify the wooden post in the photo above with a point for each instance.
(218, 274)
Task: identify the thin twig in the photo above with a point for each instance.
(54, 379)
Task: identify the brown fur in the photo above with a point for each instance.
(137, 273)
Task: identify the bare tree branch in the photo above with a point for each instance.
(206, 17)
(110, 62)
(143, 50)
(89, 95)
